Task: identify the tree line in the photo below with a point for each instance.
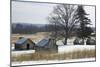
(23, 28)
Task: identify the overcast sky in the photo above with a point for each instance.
(37, 13)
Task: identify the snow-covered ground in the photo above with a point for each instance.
(51, 61)
(16, 53)
(70, 48)
(61, 49)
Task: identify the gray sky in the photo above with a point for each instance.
(37, 13)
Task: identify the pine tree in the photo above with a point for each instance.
(84, 31)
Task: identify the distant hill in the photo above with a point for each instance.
(27, 28)
(32, 28)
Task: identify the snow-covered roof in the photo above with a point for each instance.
(22, 40)
(42, 43)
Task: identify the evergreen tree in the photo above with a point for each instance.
(84, 30)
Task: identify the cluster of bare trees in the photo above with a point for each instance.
(70, 16)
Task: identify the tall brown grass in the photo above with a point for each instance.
(55, 56)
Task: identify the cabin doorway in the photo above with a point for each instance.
(28, 46)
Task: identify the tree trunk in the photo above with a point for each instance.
(65, 42)
(55, 33)
(83, 40)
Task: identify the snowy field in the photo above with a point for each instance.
(71, 48)
(16, 53)
(61, 49)
(53, 61)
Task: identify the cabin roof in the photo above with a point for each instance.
(22, 40)
(42, 43)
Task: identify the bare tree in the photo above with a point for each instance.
(65, 16)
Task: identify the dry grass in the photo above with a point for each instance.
(34, 37)
(55, 56)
